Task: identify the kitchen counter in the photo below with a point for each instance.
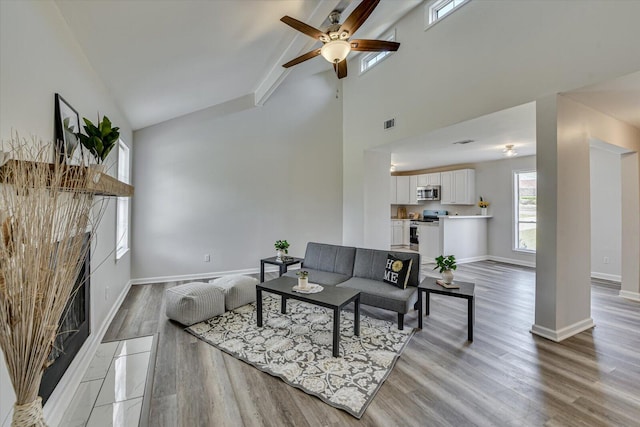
(466, 216)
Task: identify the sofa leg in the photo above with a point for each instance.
(400, 321)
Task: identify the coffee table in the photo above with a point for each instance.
(330, 297)
(466, 291)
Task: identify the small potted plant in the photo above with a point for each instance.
(282, 248)
(482, 204)
(446, 264)
(303, 279)
(99, 140)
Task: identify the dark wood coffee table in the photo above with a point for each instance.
(466, 291)
(330, 297)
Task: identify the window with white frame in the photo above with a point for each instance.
(122, 214)
(437, 9)
(374, 58)
(525, 206)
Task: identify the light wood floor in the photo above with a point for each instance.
(506, 377)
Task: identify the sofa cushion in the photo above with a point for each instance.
(370, 264)
(396, 271)
(331, 258)
(323, 278)
(379, 294)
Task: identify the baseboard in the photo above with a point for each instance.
(531, 264)
(634, 296)
(563, 333)
(66, 388)
(605, 276)
(472, 259)
(200, 276)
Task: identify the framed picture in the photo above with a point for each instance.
(67, 125)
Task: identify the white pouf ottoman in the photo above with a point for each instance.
(194, 302)
(238, 290)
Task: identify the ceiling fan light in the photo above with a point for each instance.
(509, 151)
(335, 51)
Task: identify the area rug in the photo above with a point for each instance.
(297, 347)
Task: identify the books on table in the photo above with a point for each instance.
(451, 285)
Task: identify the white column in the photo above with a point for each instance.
(630, 226)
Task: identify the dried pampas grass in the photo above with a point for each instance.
(43, 231)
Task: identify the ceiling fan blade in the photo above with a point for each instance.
(302, 27)
(373, 45)
(302, 58)
(341, 68)
(358, 16)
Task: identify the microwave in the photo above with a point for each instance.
(430, 192)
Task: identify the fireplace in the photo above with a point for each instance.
(73, 329)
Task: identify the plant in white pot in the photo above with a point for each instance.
(303, 279)
(282, 248)
(446, 264)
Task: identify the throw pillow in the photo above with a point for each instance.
(396, 271)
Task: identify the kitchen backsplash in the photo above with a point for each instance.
(453, 209)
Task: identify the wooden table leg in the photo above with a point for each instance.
(259, 306)
(336, 332)
(470, 318)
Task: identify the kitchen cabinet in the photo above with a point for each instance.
(396, 232)
(430, 241)
(393, 195)
(458, 187)
(406, 226)
(428, 179)
(406, 192)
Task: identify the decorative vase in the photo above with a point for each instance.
(303, 282)
(447, 276)
(483, 211)
(279, 255)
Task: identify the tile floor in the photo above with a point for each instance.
(112, 389)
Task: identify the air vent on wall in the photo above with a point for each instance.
(389, 123)
(464, 141)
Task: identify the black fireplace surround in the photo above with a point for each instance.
(73, 329)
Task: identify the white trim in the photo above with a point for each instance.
(634, 296)
(523, 263)
(605, 276)
(162, 279)
(65, 390)
(563, 333)
(428, 11)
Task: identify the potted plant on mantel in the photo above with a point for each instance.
(446, 264)
(100, 139)
(282, 248)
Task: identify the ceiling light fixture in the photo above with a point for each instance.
(509, 151)
(392, 168)
(335, 51)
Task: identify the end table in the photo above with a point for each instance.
(283, 265)
(466, 291)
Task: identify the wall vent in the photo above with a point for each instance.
(389, 123)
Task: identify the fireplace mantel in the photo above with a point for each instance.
(101, 184)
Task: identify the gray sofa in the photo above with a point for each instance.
(362, 269)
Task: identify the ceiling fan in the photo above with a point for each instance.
(335, 41)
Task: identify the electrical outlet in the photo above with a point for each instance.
(606, 260)
(207, 258)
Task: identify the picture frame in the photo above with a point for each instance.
(67, 126)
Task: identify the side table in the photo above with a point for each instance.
(466, 291)
(283, 265)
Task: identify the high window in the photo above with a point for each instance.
(374, 58)
(437, 9)
(525, 188)
(122, 221)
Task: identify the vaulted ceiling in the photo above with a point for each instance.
(163, 59)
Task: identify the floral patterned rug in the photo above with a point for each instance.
(296, 347)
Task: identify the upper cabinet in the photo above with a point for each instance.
(458, 187)
(428, 179)
(404, 190)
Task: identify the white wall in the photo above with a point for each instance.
(230, 185)
(40, 57)
(488, 56)
(606, 214)
(494, 182)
